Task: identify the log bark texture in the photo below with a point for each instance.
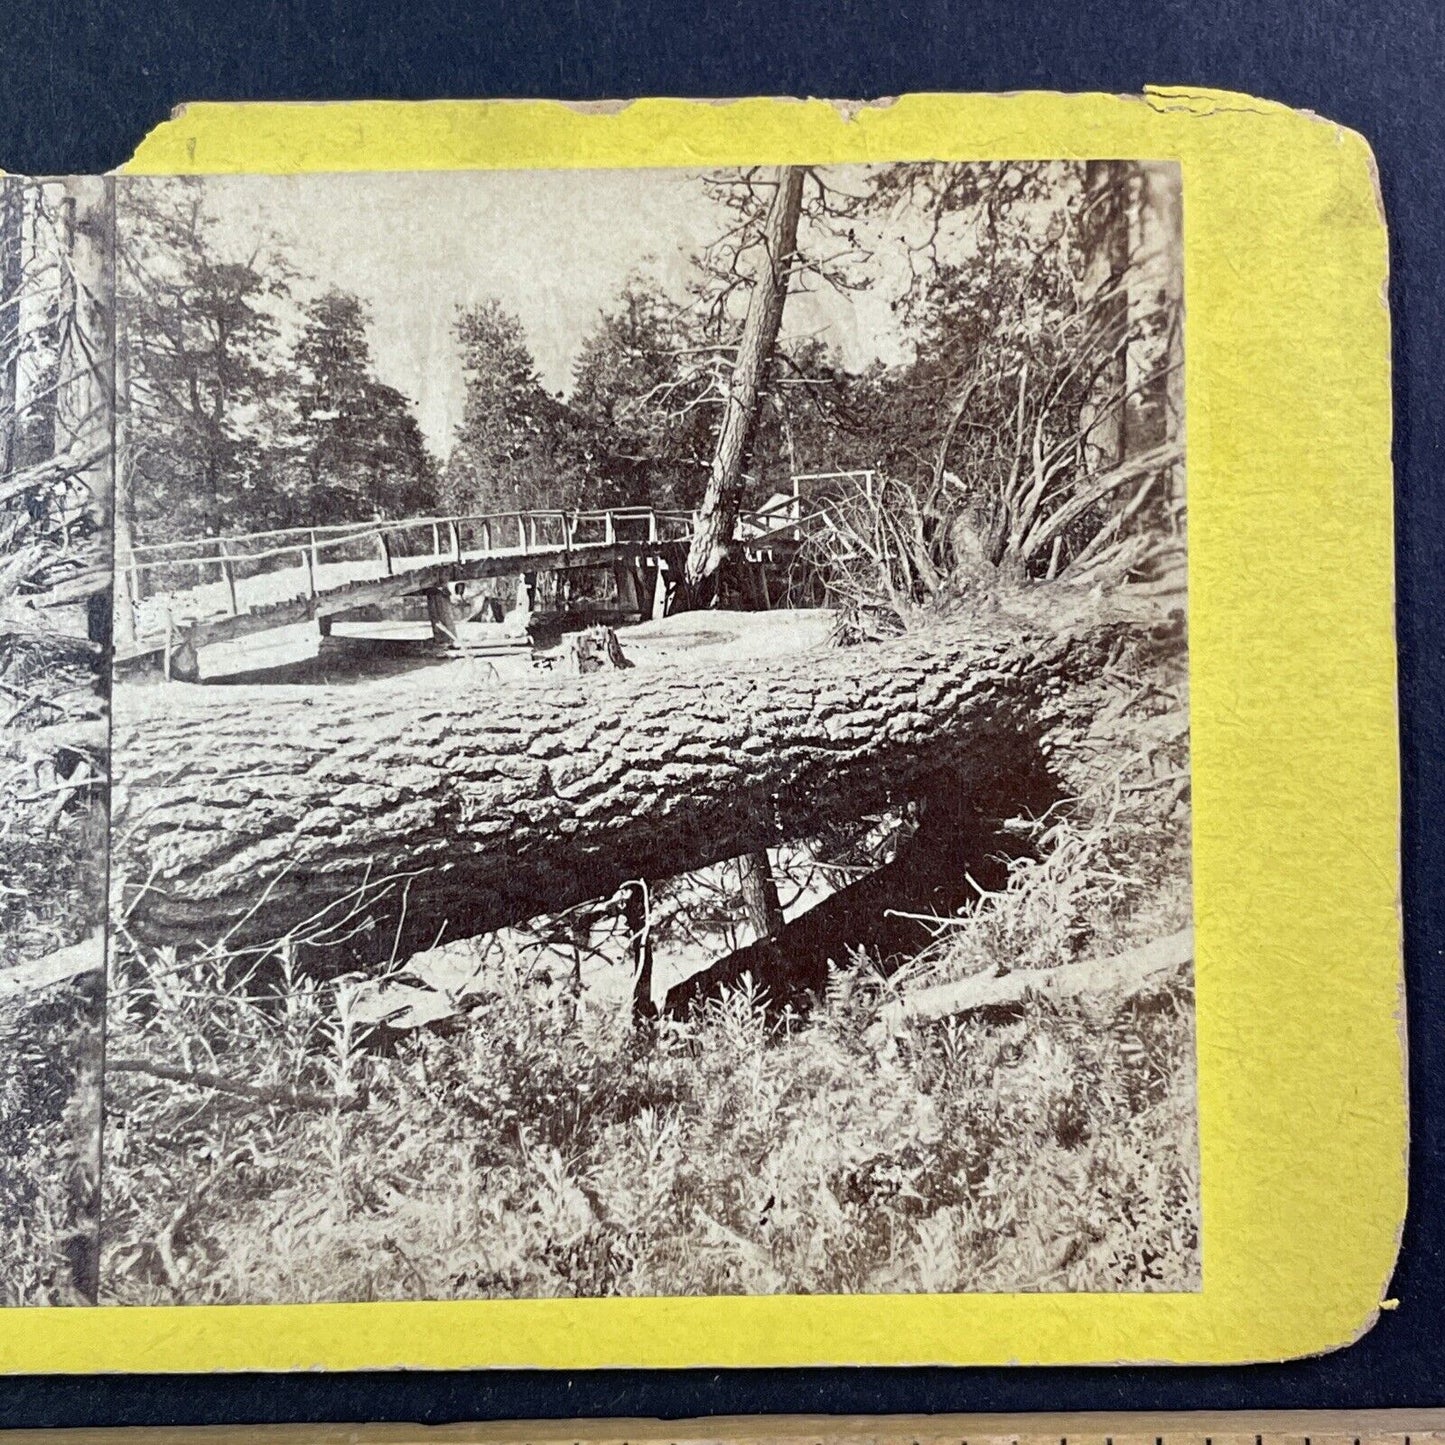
(448, 812)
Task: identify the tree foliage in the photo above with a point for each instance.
(517, 447)
(1037, 364)
(1030, 433)
(358, 447)
(249, 406)
(639, 384)
(203, 374)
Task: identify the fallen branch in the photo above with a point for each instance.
(1044, 531)
(79, 588)
(30, 976)
(257, 1093)
(1135, 972)
(55, 790)
(22, 622)
(78, 735)
(61, 468)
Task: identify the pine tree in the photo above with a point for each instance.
(641, 379)
(358, 448)
(517, 447)
(200, 330)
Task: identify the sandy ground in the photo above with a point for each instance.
(725, 636)
(715, 636)
(397, 657)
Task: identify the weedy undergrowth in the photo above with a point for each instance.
(542, 1146)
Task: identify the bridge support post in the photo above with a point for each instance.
(127, 600)
(449, 609)
(630, 589)
(760, 586)
(444, 616)
(228, 574)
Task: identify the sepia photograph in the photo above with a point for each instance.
(650, 747)
(56, 300)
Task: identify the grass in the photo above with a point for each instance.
(49, 1132)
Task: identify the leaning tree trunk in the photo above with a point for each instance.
(127, 578)
(12, 208)
(34, 355)
(84, 412)
(1161, 400)
(449, 812)
(1103, 417)
(718, 515)
(963, 846)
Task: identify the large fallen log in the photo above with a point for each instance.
(446, 811)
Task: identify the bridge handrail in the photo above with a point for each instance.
(344, 531)
(330, 527)
(143, 554)
(145, 557)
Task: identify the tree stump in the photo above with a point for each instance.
(596, 650)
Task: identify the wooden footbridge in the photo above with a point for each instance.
(216, 606)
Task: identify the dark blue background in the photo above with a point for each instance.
(81, 83)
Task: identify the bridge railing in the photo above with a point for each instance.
(222, 576)
(177, 582)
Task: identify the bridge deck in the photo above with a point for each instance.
(223, 589)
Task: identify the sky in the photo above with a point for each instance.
(555, 247)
